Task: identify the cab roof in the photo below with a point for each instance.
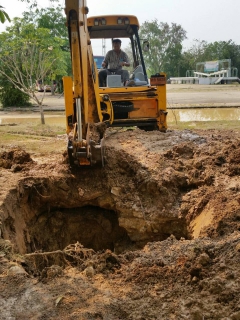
(112, 26)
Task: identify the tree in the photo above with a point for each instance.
(165, 46)
(27, 55)
(3, 15)
(49, 18)
(220, 50)
(196, 53)
(53, 20)
(202, 51)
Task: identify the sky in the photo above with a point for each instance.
(209, 20)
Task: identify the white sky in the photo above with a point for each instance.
(210, 20)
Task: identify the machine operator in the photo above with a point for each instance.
(113, 62)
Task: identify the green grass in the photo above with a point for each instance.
(36, 139)
(206, 125)
(35, 129)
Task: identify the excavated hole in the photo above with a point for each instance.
(48, 214)
(132, 201)
(93, 227)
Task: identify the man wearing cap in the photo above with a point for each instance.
(113, 62)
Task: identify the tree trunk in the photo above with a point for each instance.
(42, 114)
(52, 89)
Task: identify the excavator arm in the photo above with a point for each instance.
(85, 128)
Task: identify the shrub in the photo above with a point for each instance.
(12, 97)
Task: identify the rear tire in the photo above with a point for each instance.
(122, 107)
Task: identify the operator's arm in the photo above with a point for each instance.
(125, 62)
(104, 64)
(106, 60)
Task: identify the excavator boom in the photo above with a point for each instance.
(81, 91)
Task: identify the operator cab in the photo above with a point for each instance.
(123, 27)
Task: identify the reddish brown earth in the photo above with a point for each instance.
(155, 234)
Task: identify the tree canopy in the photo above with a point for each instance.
(49, 18)
(202, 51)
(165, 46)
(33, 49)
(41, 29)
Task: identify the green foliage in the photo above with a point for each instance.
(202, 51)
(49, 18)
(3, 15)
(165, 46)
(53, 20)
(196, 53)
(35, 47)
(29, 54)
(224, 50)
(12, 97)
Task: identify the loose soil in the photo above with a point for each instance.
(155, 234)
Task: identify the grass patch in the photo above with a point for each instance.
(35, 139)
(44, 140)
(35, 129)
(206, 125)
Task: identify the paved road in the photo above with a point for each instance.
(178, 96)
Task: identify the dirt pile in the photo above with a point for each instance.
(15, 159)
(155, 234)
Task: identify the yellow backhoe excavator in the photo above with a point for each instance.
(90, 109)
